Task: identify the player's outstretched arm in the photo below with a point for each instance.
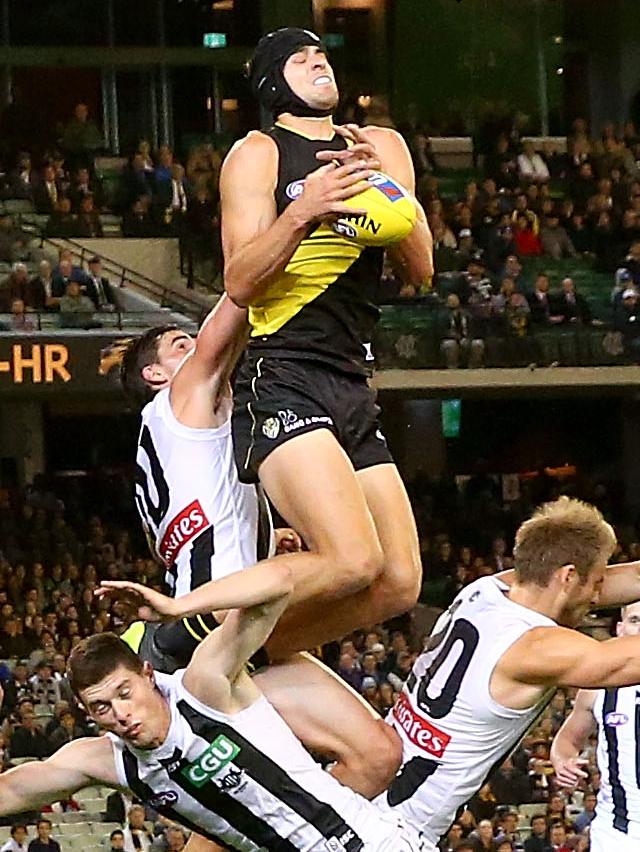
(557, 656)
(80, 763)
(572, 738)
(256, 242)
(225, 652)
(255, 585)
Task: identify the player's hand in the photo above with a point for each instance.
(149, 604)
(287, 541)
(326, 189)
(362, 148)
(569, 772)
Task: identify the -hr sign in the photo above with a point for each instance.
(37, 363)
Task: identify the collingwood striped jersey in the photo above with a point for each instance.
(453, 732)
(246, 781)
(617, 713)
(202, 521)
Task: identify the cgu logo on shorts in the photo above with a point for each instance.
(211, 762)
(181, 530)
(614, 720)
(419, 731)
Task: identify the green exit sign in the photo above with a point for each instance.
(214, 39)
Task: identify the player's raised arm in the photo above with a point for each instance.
(76, 765)
(572, 738)
(225, 652)
(257, 243)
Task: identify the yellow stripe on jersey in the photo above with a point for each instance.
(196, 636)
(206, 629)
(317, 262)
(133, 635)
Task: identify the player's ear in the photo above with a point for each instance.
(148, 672)
(153, 374)
(568, 575)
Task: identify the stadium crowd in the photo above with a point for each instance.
(55, 551)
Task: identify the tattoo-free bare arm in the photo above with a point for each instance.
(76, 765)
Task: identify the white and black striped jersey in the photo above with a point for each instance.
(246, 781)
(617, 713)
(203, 522)
(453, 732)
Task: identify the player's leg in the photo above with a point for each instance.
(333, 720)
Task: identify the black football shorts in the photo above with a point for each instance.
(276, 399)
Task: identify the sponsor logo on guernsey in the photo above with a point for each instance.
(164, 799)
(211, 762)
(294, 189)
(340, 844)
(421, 733)
(292, 421)
(181, 530)
(386, 186)
(614, 720)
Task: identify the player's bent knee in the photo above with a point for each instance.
(358, 567)
(372, 771)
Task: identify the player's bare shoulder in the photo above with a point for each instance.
(254, 154)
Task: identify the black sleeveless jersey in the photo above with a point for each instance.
(322, 306)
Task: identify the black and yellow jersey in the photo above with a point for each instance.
(322, 307)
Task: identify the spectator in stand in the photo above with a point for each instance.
(526, 239)
(18, 841)
(579, 232)
(627, 322)
(144, 149)
(573, 307)
(67, 271)
(136, 835)
(138, 180)
(88, 222)
(83, 184)
(483, 837)
(66, 731)
(502, 165)
(20, 319)
(40, 289)
(164, 165)
(12, 642)
(457, 333)
(531, 167)
(583, 186)
(542, 310)
(23, 179)
(62, 222)
(588, 812)
(605, 243)
(537, 841)
(506, 830)
(511, 785)
(554, 238)
(454, 838)
(632, 262)
(15, 286)
(116, 840)
(76, 309)
(349, 671)
(100, 289)
(558, 838)
(44, 686)
(44, 842)
(47, 191)
(138, 222)
(81, 139)
(27, 739)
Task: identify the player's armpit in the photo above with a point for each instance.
(76, 765)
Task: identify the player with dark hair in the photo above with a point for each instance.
(305, 420)
(203, 747)
(203, 524)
